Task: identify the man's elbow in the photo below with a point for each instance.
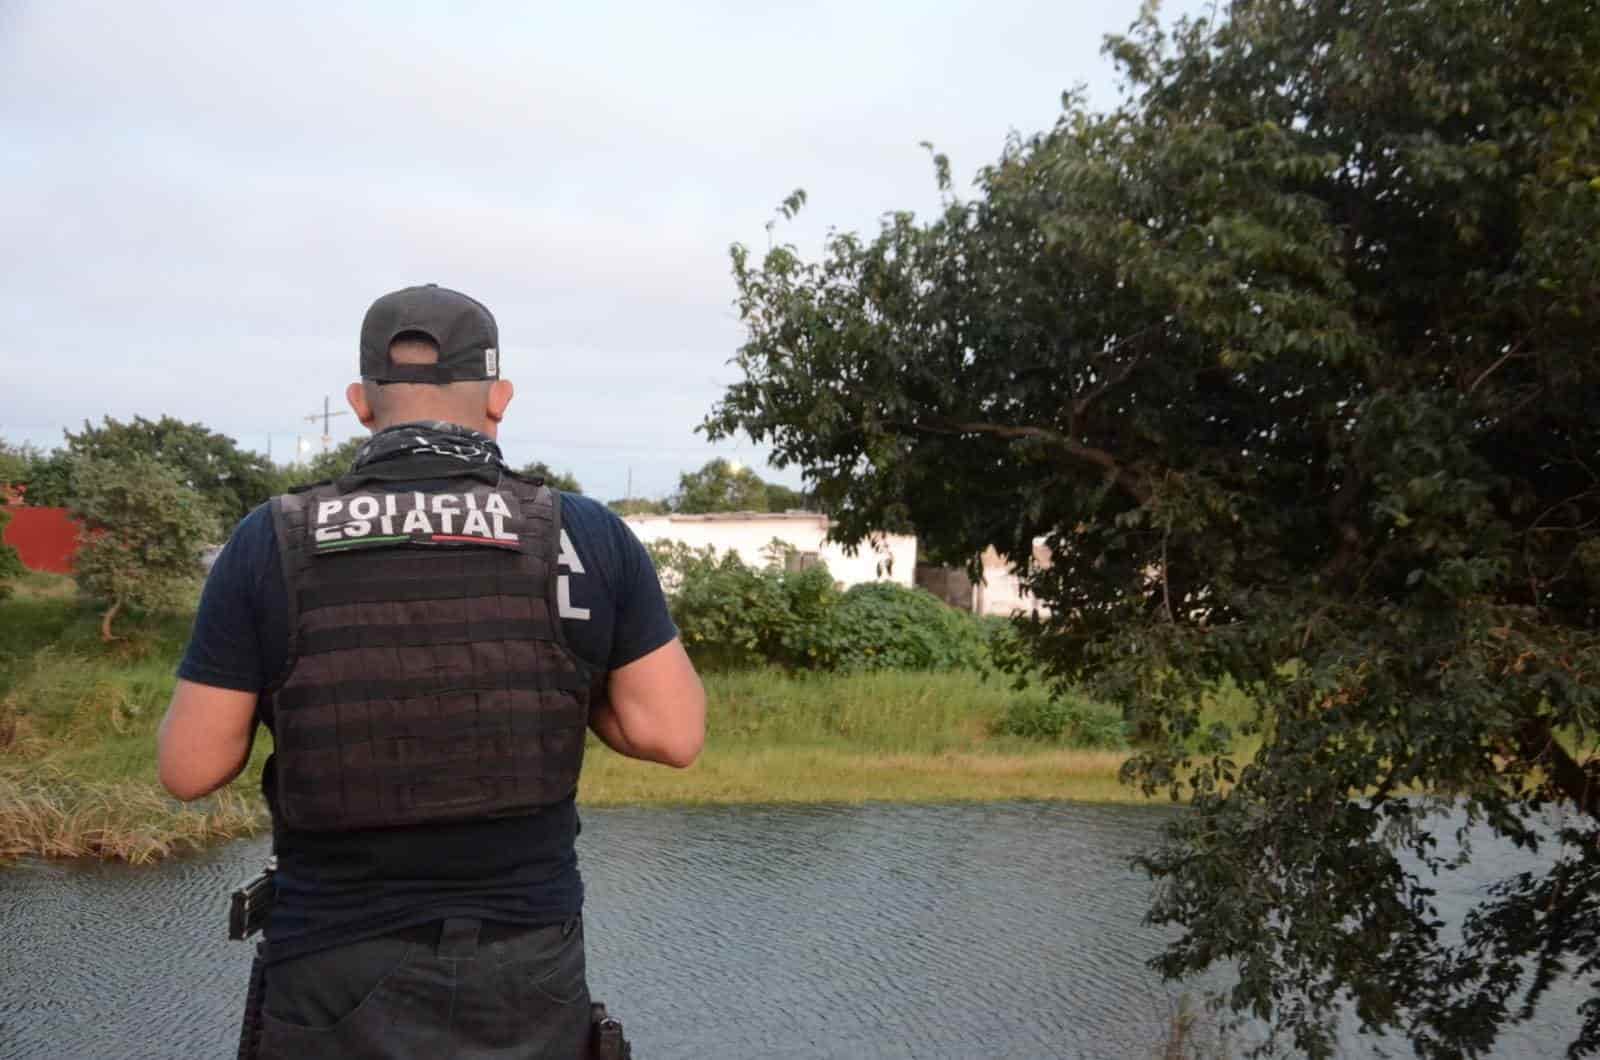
(682, 753)
(187, 784)
(182, 788)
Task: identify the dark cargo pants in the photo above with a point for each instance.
(460, 988)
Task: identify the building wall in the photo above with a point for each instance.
(891, 557)
(45, 538)
(1001, 592)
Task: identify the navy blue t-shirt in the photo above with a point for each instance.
(335, 888)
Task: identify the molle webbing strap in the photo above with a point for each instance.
(366, 690)
(541, 503)
(353, 591)
(487, 740)
(341, 638)
(429, 680)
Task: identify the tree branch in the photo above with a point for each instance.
(1487, 372)
(1085, 453)
(1081, 405)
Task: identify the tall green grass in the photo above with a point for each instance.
(894, 711)
(78, 722)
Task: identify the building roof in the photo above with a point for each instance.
(729, 517)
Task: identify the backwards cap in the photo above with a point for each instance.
(462, 328)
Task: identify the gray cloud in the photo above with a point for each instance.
(202, 199)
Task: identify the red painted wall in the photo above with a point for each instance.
(45, 538)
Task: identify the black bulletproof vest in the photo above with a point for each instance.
(428, 679)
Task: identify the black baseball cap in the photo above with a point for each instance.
(462, 328)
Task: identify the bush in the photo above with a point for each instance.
(11, 567)
(143, 533)
(883, 626)
(1070, 720)
(734, 616)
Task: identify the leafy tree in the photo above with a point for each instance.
(781, 498)
(231, 479)
(564, 481)
(1290, 357)
(43, 480)
(638, 506)
(143, 531)
(329, 464)
(11, 567)
(15, 462)
(49, 480)
(719, 486)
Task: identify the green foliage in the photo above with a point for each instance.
(49, 480)
(43, 479)
(782, 499)
(883, 626)
(565, 481)
(326, 465)
(15, 462)
(1290, 358)
(143, 531)
(719, 486)
(1069, 719)
(638, 506)
(731, 615)
(231, 480)
(11, 567)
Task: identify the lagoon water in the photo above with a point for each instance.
(972, 931)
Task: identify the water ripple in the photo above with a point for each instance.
(992, 931)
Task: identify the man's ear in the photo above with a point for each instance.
(500, 394)
(355, 395)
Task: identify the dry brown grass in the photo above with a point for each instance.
(45, 813)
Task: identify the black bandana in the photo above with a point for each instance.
(432, 438)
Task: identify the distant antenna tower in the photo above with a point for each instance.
(325, 415)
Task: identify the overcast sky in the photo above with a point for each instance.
(200, 200)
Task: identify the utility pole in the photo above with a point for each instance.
(629, 497)
(325, 415)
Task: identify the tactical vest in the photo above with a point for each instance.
(428, 679)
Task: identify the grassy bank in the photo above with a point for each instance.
(78, 721)
(77, 736)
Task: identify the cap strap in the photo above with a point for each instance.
(417, 373)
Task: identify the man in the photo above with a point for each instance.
(427, 638)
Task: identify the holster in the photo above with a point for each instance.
(605, 1036)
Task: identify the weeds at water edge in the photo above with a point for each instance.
(44, 813)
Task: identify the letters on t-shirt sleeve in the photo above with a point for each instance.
(610, 599)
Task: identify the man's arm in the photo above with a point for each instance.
(654, 708)
(205, 738)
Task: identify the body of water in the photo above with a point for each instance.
(971, 931)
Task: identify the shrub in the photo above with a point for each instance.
(727, 613)
(883, 626)
(11, 567)
(732, 615)
(1071, 720)
(143, 533)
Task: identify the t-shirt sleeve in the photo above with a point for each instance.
(225, 647)
(643, 622)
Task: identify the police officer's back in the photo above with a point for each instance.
(427, 637)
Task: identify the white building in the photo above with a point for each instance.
(885, 557)
(1001, 592)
